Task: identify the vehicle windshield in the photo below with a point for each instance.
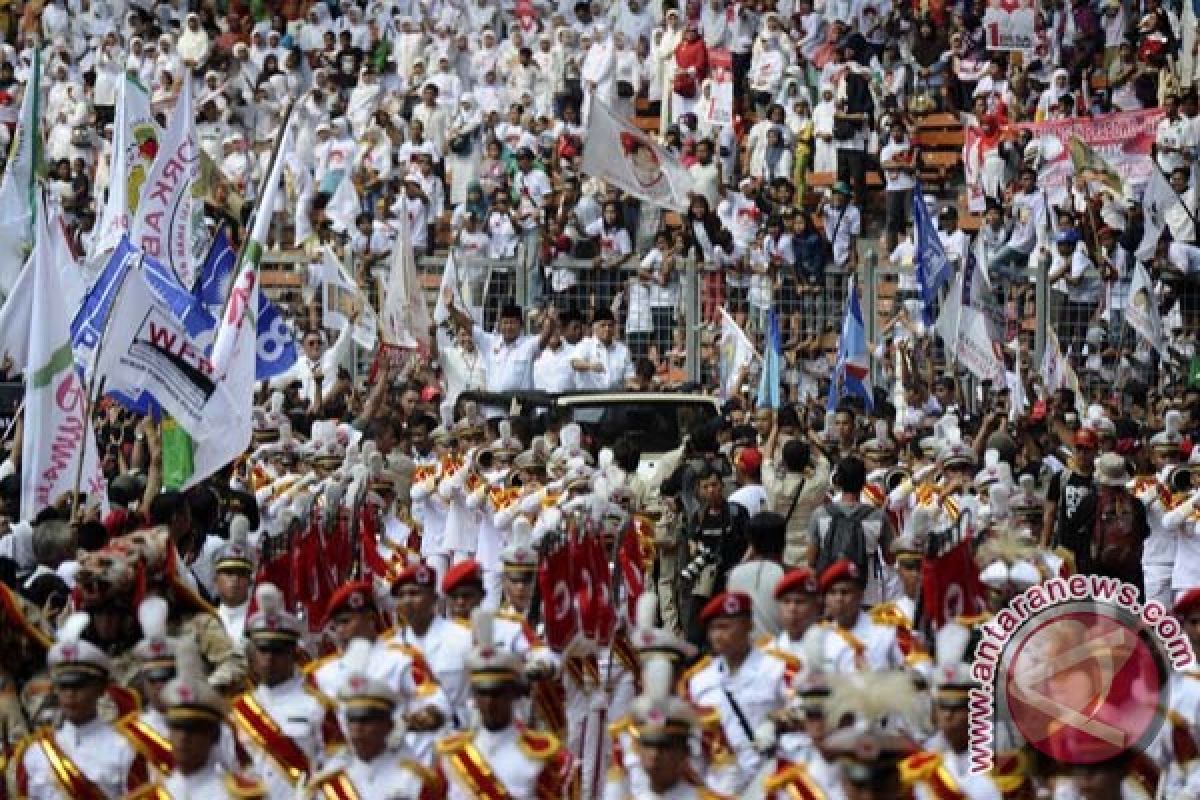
(659, 427)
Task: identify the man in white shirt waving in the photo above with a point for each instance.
(601, 362)
(508, 355)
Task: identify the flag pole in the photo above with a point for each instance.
(287, 120)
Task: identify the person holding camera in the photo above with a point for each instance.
(716, 541)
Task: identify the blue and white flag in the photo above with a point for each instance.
(276, 344)
(852, 374)
(769, 391)
(933, 268)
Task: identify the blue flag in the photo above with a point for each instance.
(276, 345)
(852, 374)
(769, 391)
(933, 268)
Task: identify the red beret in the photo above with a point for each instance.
(355, 596)
(726, 604)
(800, 579)
(420, 574)
(1188, 603)
(461, 574)
(841, 570)
(1086, 438)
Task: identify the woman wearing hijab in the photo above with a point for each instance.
(598, 71)
(691, 70)
(800, 123)
(824, 148)
(462, 146)
(628, 75)
(193, 43)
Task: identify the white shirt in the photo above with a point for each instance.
(391, 775)
(851, 226)
(102, 754)
(233, 619)
(753, 498)
(445, 647)
(299, 713)
(508, 366)
(614, 358)
(901, 153)
(552, 371)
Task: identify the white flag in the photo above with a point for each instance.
(405, 315)
(737, 353)
(1158, 199)
(343, 206)
(57, 430)
(342, 299)
(147, 349)
(236, 344)
(17, 190)
(1054, 366)
(1141, 312)
(463, 299)
(169, 224)
(625, 156)
(967, 334)
(136, 139)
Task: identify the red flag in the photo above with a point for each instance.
(631, 559)
(368, 542)
(277, 571)
(593, 579)
(950, 585)
(558, 606)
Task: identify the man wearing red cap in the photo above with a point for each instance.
(859, 644)
(444, 644)
(744, 683)
(1071, 497)
(799, 602)
(750, 493)
(353, 613)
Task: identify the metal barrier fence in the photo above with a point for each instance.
(677, 319)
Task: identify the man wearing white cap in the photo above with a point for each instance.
(373, 765)
(499, 758)
(84, 758)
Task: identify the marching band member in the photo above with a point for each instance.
(498, 756)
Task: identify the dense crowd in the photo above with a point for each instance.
(418, 581)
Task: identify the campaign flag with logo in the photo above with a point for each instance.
(736, 354)
(57, 434)
(148, 350)
(1091, 166)
(343, 301)
(1141, 312)
(769, 394)
(405, 316)
(852, 373)
(276, 345)
(933, 267)
(950, 585)
(18, 188)
(169, 223)
(1159, 198)
(625, 156)
(967, 334)
(136, 136)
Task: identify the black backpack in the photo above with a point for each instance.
(845, 538)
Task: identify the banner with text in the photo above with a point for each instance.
(718, 101)
(1006, 28)
(1124, 140)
